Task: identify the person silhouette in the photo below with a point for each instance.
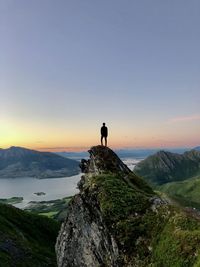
(104, 134)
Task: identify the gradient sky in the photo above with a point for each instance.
(67, 66)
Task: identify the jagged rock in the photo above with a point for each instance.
(157, 202)
(84, 165)
(85, 239)
(102, 160)
(117, 220)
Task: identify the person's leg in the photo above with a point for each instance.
(102, 140)
(105, 141)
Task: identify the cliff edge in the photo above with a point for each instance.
(117, 220)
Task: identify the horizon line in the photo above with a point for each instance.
(85, 148)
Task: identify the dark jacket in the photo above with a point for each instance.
(104, 131)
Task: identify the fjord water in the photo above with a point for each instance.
(54, 188)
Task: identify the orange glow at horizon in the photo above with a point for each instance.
(51, 137)
(68, 146)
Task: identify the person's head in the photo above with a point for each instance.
(104, 124)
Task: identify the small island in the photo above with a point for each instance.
(40, 193)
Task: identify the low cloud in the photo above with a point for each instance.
(185, 118)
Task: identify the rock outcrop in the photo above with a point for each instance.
(117, 220)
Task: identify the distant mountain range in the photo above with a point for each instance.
(145, 152)
(197, 148)
(23, 162)
(164, 167)
(123, 153)
(74, 155)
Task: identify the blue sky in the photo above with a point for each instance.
(67, 66)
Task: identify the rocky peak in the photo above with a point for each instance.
(102, 160)
(166, 155)
(118, 221)
(111, 198)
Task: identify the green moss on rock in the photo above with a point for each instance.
(179, 242)
(164, 237)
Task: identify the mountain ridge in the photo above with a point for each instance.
(22, 162)
(117, 220)
(164, 167)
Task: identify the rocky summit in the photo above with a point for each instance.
(118, 220)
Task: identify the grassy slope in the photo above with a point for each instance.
(55, 209)
(185, 192)
(26, 240)
(174, 175)
(178, 243)
(167, 237)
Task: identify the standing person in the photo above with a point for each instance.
(104, 134)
